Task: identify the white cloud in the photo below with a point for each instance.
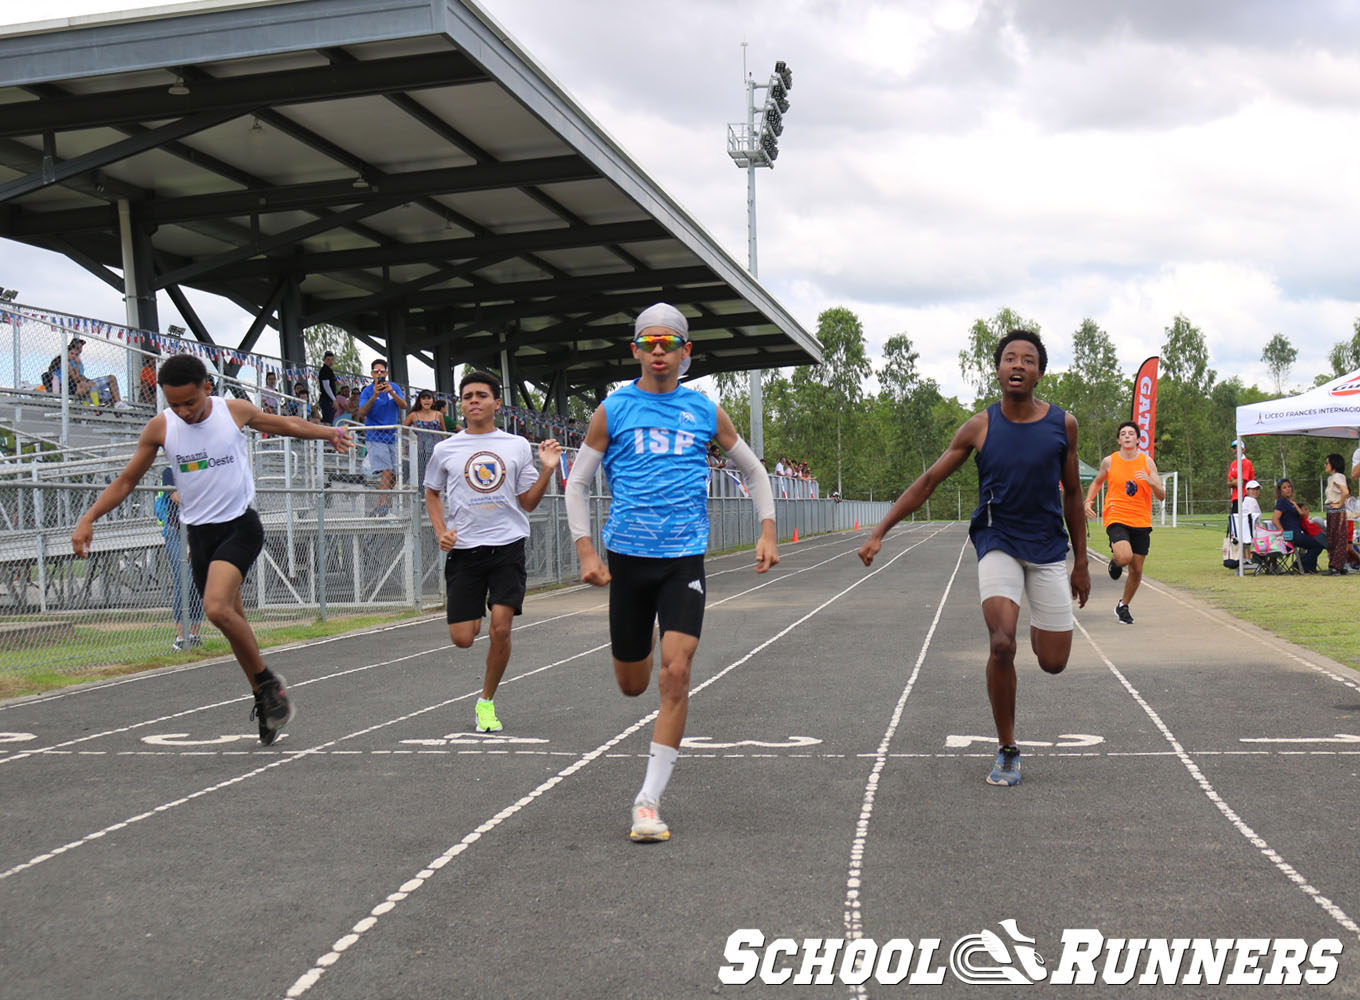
(1122, 162)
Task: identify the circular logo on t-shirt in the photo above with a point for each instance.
(484, 472)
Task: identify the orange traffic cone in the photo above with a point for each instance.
(795, 535)
(857, 524)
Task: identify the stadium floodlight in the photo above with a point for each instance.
(176, 331)
(8, 294)
(755, 143)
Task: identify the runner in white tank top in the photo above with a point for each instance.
(202, 435)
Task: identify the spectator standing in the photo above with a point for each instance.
(1334, 500)
(327, 387)
(167, 513)
(380, 408)
(428, 425)
(1248, 473)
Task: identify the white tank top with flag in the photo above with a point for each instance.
(210, 466)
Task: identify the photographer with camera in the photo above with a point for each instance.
(380, 408)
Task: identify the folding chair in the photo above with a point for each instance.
(1273, 550)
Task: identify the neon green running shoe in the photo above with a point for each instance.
(486, 717)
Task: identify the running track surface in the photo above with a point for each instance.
(1189, 776)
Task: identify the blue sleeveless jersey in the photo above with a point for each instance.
(1019, 505)
(657, 464)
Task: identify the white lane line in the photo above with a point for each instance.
(700, 755)
(852, 915)
(147, 675)
(89, 838)
(442, 648)
(310, 978)
(1225, 619)
(299, 755)
(1240, 825)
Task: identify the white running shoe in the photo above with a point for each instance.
(647, 825)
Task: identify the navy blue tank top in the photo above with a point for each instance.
(1019, 505)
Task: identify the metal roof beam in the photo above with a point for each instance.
(509, 244)
(239, 95)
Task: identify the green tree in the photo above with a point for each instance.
(1184, 411)
(1279, 356)
(976, 361)
(1345, 356)
(836, 386)
(324, 337)
(1093, 390)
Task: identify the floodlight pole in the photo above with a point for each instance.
(751, 146)
(757, 400)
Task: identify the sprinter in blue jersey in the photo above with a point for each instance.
(652, 436)
(1025, 448)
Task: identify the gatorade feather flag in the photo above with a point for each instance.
(1144, 410)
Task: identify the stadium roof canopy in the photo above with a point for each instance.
(401, 168)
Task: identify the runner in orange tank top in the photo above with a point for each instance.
(1133, 482)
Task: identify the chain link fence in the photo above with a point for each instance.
(335, 545)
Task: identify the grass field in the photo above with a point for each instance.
(1321, 613)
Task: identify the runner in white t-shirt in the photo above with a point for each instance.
(479, 487)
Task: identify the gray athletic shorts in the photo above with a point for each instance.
(382, 457)
(1045, 584)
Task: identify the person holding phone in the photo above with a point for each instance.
(380, 408)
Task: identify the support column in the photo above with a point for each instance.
(291, 345)
(139, 292)
(443, 369)
(397, 369)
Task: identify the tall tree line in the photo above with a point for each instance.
(876, 444)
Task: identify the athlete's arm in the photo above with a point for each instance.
(549, 455)
(1154, 480)
(148, 443)
(1094, 488)
(967, 438)
(593, 569)
(1073, 514)
(758, 483)
(434, 507)
(247, 414)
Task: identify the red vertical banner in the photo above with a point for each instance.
(1144, 410)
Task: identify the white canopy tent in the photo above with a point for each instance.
(1329, 410)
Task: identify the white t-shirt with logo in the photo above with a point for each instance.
(480, 477)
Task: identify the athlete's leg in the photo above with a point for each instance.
(1051, 648)
(1050, 614)
(224, 608)
(1135, 578)
(462, 634)
(1121, 552)
(1001, 615)
(498, 652)
(677, 653)
(634, 675)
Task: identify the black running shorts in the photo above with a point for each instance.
(643, 591)
(237, 541)
(1138, 538)
(479, 577)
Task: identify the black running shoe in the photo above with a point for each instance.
(1116, 570)
(1121, 611)
(272, 708)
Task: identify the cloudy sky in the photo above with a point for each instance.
(945, 158)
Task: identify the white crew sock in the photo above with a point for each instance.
(659, 766)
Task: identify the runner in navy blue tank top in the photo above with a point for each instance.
(1028, 486)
